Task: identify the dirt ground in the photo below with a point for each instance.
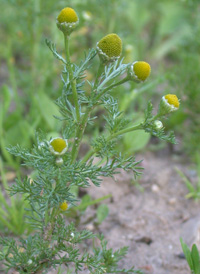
(151, 222)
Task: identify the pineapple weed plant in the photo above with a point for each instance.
(59, 169)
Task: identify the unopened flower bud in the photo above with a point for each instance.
(58, 146)
(41, 145)
(67, 20)
(59, 161)
(157, 125)
(139, 71)
(109, 47)
(168, 103)
(64, 206)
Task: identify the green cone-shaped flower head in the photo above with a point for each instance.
(110, 47)
(67, 20)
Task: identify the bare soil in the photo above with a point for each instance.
(151, 222)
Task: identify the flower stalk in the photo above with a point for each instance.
(110, 138)
(79, 134)
(71, 78)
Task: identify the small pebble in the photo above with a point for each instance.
(148, 268)
(155, 188)
(130, 236)
(90, 227)
(172, 201)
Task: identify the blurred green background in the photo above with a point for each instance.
(164, 33)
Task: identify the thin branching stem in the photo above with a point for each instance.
(79, 134)
(84, 120)
(99, 72)
(71, 78)
(111, 87)
(111, 137)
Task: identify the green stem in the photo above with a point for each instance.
(82, 124)
(112, 86)
(50, 219)
(123, 131)
(81, 128)
(88, 156)
(99, 72)
(126, 130)
(79, 134)
(71, 78)
(156, 117)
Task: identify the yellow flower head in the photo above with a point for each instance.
(140, 71)
(64, 206)
(168, 103)
(67, 15)
(58, 146)
(110, 47)
(172, 100)
(67, 20)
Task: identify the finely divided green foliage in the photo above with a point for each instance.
(55, 243)
(148, 126)
(35, 254)
(52, 184)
